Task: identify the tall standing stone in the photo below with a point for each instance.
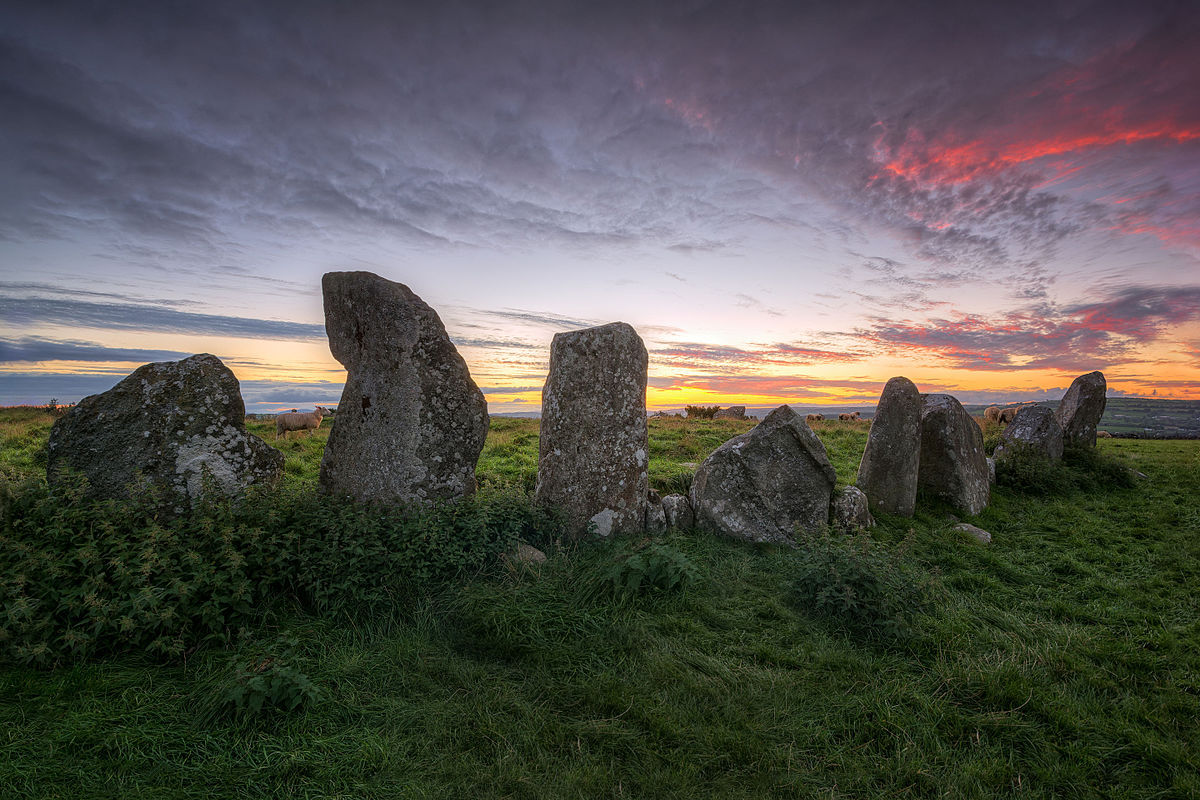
(953, 464)
(593, 454)
(173, 424)
(411, 423)
(762, 485)
(888, 471)
(1034, 428)
(1080, 409)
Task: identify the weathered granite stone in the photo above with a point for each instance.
(953, 465)
(168, 424)
(763, 484)
(991, 464)
(889, 467)
(733, 412)
(679, 511)
(593, 454)
(849, 512)
(1080, 409)
(656, 515)
(978, 534)
(1034, 428)
(411, 422)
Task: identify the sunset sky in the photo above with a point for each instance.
(791, 202)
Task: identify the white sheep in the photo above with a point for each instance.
(299, 421)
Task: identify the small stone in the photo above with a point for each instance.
(656, 515)
(679, 511)
(849, 510)
(978, 534)
(733, 412)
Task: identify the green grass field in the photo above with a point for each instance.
(1063, 660)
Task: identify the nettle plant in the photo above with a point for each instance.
(638, 568)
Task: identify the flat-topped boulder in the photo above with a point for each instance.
(175, 425)
(887, 473)
(733, 412)
(593, 454)
(1081, 408)
(1034, 429)
(411, 423)
(953, 465)
(762, 485)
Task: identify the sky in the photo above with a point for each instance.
(791, 202)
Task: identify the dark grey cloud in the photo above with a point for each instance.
(33, 349)
(31, 311)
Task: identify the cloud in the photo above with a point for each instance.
(32, 311)
(33, 349)
(510, 389)
(729, 360)
(1078, 337)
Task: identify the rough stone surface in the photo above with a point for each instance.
(733, 412)
(849, 511)
(593, 454)
(978, 534)
(1035, 428)
(679, 511)
(953, 465)
(169, 423)
(759, 486)
(889, 467)
(1080, 409)
(991, 464)
(656, 515)
(411, 422)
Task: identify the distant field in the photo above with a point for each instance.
(1141, 418)
(1062, 660)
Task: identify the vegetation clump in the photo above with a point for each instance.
(701, 412)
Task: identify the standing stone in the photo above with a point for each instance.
(889, 467)
(1034, 428)
(1080, 409)
(953, 465)
(411, 422)
(733, 412)
(169, 424)
(593, 454)
(759, 486)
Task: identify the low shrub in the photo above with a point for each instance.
(629, 569)
(81, 578)
(267, 681)
(701, 412)
(863, 585)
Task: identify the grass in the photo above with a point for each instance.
(1061, 660)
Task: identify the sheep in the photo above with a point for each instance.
(814, 417)
(1103, 435)
(845, 417)
(992, 414)
(294, 421)
(1006, 415)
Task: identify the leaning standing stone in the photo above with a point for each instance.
(763, 484)
(888, 471)
(1034, 428)
(953, 465)
(1080, 409)
(171, 424)
(593, 454)
(411, 422)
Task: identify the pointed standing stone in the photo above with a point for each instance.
(593, 453)
(763, 484)
(889, 467)
(953, 465)
(411, 422)
(1080, 409)
(171, 423)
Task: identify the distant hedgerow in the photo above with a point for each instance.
(701, 412)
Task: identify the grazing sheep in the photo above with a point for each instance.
(1103, 435)
(814, 417)
(992, 414)
(845, 417)
(295, 421)
(1007, 414)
